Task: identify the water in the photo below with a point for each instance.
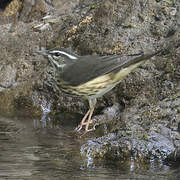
(32, 149)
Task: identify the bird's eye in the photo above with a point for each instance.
(57, 54)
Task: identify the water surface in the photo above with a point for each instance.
(44, 149)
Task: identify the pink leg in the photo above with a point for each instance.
(88, 122)
(89, 119)
(83, 121)
(92, 103)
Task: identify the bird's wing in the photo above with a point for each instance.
(87, 68)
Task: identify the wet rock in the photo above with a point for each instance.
(125, 148)
(140, 138)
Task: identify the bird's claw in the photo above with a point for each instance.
(89, 130)
(78, 128)
(85, 122)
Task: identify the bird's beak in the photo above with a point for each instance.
(43, 52)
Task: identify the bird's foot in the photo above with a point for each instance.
(85, 122)
(80, 126)
(88, 130)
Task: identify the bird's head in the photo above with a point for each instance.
(59, 57)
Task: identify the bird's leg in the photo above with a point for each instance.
(89, 119)
(83, 121)
(88, 122)
(92, 104)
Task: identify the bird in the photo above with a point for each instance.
(91, 76)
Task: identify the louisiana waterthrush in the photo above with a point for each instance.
(91, 76)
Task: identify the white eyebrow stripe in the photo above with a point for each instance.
(69, 55)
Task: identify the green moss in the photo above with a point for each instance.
(93, 7)
(170, 2)
(178, 109)
(176, 96)
(145, 137)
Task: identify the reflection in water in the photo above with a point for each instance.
(47, 149)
